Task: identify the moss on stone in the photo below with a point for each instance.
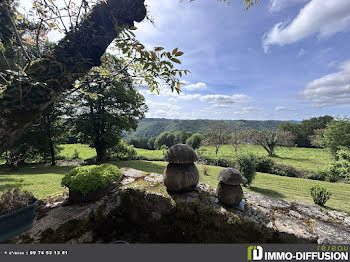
(72, 229)
(150, 187)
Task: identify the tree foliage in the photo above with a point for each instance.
(269, 140)
(336, 135)
(305, 132)
(106, 107)
(195, 140)
(165, 139)
(217, 135)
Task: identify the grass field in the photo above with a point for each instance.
(44, 181)
(84, 151)
(41, 180)
(311, 159)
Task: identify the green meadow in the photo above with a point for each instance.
(44, 181)
(311, 159)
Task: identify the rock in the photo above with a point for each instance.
(143, 211)
(181, 177)
(229, 195)
(230, 176)
(181, 154)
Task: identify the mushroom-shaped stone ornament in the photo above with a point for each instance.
(229, 190)
(181, 174)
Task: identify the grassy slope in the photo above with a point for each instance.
(302, 158)
(45, 180)
(40, 180)
(84, 151)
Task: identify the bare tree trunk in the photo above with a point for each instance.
(50, 141)
(73, 57)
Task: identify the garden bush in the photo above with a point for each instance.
(246, 164)
(320, 195)
(284, 170)
(224, 162)
(122, 151)
(320, 175)
(84, 179)
(264, 164)
(340, 168)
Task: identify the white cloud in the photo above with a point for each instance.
(285, 108)
(318, 16)
(162, 106)
(226, 101)
(183, 96)
(330, 90)
(278, 5)
(197, 86)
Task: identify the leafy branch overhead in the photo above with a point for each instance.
(35, 73)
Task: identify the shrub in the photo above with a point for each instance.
(122, 151)
(340, 168)
(84, 179)
(246, 164)
(15, 199)
(283, 170)
(321, 175)
(319, 195)
(224, 162)
(264, 164)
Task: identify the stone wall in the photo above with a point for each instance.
(140, 210)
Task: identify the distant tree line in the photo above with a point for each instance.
(166, 140)
(153, 127)
(306, 133)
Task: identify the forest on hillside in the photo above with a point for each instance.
(152, 127)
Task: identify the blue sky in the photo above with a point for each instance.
(281, 59)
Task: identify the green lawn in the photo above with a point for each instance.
(311, 159)
(45, 180)
(42, 181)
(84, 151)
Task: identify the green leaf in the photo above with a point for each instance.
(158, 48)
(174, 51)
(179, 53)
(176, 60)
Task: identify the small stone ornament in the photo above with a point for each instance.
(229, 190)
(181, 174)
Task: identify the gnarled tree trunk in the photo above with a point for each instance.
(22, 103)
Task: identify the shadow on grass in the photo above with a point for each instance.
(293, 158)
(5, 187)
(146, 166)
(35, 170)
(267, 192)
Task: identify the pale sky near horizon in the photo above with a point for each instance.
(281, 59)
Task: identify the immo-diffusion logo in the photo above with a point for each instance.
(335, 253)
(255, 253)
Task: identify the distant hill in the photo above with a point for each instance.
(152, 127)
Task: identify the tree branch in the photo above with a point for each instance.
(73, 57)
